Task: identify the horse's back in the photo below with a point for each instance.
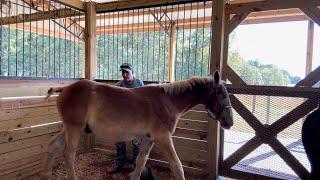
(311, 141)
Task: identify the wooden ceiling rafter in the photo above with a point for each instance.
(67, 23)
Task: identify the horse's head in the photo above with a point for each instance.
(218, 104)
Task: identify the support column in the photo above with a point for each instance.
(90, 41)
(172, 51)
(309, 47)
(217, 44)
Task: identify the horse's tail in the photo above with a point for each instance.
(53, 90)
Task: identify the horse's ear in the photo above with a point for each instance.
(216, 77)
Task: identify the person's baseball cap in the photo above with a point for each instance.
(126, 67)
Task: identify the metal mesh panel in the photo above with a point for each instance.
(264, 160)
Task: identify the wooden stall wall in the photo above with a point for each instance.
(27, 123)
(190, 140)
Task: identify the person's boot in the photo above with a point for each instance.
(120, 158)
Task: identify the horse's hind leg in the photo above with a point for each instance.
(145, 148)
(55, 147)
(166, 145)
(72, 140)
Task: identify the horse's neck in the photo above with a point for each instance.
(189, 99)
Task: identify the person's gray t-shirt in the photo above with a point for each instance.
(136, 83)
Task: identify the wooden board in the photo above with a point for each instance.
(13, 135)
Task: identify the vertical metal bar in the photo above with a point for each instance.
(23, 39)
(30, 45)
(148, 49)
(117, 39)
(177, 42)
(132, 37)
(65, 48)
(122, 44)
(113, 43)
(49, 45)
(17, 10)
(36, 73)
(8, 62)
(106, 44)
(59, 46)
(128, 25)
(165, 45)
(210, 34)
(159, 44)
(74, 49)
(153, 41)
(43, 51)
(99, 49)
(78, 48)
(196, 53)
(189, 58)
(202, 45)
(184, 18)
(54, 49)
(138, 28)
(108, 49)
(1, 40)
(70, 53)
(142, 64)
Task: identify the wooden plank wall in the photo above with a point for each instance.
(190, 140)
(27, 123)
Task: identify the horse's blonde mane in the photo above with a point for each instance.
(182, 86)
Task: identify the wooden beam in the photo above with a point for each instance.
(172, 51)
(238, 7)
(310, 39)
(236, 20)
(233, 77)
(68, 23)
(90, 42)
(313, 13)
(134, 4)
(38, 16)
(311, 79)
(217, 44)
(47, 32)
(290, 160)
(242, 152)
(78, 4)
(274, 90)
(294, 115)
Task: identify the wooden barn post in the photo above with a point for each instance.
(90, 41)
(310, 39)
(90, 54)
(217, 44)
(172, 50)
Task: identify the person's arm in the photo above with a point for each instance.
(141, 82)
(118, 83)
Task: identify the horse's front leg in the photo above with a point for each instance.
(164, 140)
(145, 148)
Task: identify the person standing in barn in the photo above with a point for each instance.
(128, 81)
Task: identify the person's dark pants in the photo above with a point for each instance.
(121, 151)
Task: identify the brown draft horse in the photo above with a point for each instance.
(150, 112)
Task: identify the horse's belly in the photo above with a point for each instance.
(114, 133)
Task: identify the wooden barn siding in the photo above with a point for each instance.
(189, 140)
(27, 123)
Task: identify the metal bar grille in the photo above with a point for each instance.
(141, 37)
(32, 46)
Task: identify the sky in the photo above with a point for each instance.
(283, 44)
